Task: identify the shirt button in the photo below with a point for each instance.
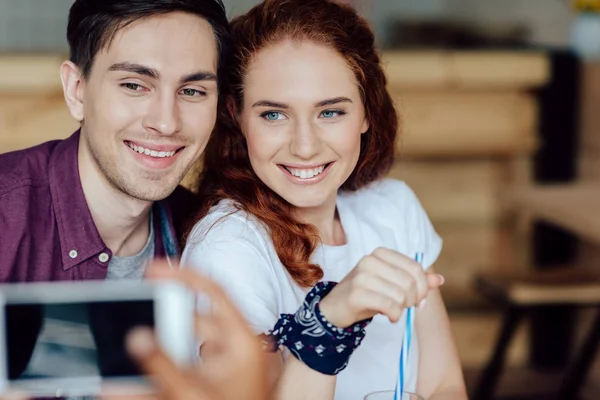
(73, 254)
(103, 257)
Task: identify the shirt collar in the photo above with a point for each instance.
(79, 238)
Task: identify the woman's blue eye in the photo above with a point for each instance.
(272, 115)
(331, 113)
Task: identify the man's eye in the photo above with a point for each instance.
(192, 92)
(132, 86)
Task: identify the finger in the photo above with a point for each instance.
(157, 264)
(409, 265)
(376, 303)
(405, 283)
(127, 396)
(172, 382)
(416, 285)
(434, 280)
(13, 396)
(400, 292)
(210, 334)
(199, 283)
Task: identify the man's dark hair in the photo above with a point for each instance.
(94, 23)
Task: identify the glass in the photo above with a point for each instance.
(389, 395)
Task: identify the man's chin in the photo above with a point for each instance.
(146, 190)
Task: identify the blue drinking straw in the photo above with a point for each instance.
(406, 344)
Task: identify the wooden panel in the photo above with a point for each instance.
(575, 207)
(470, 249)
(475, 336)
(455, 191)
(520, 175)
(466, 123)
(32, 122)
(12, 105)
(563, 285)
(466, 69)
(589, 163)
(30, 73)
(590, 103)
(417, 70)
(480, 247)
(405, 69)
(496, 69)
(588, 254)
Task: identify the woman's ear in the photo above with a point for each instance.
(231, 108)
(366, 126)
(233, 113)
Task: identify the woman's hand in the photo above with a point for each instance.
(384, 282)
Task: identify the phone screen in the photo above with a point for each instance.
(70, 340)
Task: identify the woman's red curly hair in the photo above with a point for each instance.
(227, 173)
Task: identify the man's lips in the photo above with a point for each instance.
(154, 150)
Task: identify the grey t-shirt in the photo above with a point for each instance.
(132, 267)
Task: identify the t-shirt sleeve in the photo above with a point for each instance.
(229, 252)
(423, 237)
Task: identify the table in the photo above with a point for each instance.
(574, 207)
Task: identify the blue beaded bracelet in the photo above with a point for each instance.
(312, 339)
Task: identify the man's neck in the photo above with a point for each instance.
(122, 221)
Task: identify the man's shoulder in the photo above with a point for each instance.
(25, 168)
(182, 200)
(183, 205)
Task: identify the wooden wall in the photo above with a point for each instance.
(469, 130)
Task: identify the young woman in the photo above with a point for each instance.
(294, 200)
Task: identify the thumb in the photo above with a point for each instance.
(434, 280)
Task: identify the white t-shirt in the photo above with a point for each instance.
(235, 250)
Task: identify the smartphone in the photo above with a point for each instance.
(65, 339)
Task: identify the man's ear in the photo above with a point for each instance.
(73, 88)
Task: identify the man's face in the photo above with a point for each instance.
(149, 104)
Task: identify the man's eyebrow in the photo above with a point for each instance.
(198, 76)
(154, 74)
(136, 69)
(269, 103)
(330, 102)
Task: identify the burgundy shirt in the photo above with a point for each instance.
(46, 229)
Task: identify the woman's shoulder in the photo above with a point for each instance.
(392, 204)
(383, 196)
(227, 223)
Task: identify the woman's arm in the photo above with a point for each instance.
(232, 257)
(385, 282)
(295, 381)
(440, 374)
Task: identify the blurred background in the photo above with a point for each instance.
(500, 102)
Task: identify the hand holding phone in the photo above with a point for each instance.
(68, 338)
(234, 365)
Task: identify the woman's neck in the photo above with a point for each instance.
(327, 221)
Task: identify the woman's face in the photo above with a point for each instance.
(303, 118)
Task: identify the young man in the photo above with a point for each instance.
(143, 81)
